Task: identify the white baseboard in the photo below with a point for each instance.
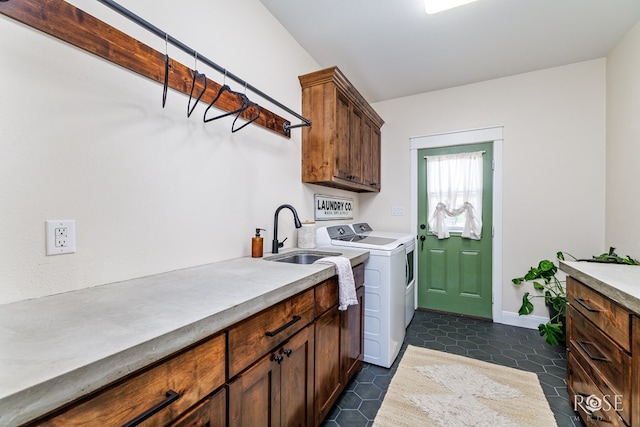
(528, 321)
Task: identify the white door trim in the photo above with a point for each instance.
(472, 136)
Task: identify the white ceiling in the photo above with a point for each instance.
(392, 48)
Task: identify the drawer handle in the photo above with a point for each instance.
(586, 306)
(283, 327)
(172, 396)
(583, 345)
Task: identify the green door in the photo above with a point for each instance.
(454, 274)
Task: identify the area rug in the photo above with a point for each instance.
(432, 388)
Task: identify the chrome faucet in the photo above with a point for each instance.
(275, 244)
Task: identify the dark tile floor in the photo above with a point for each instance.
(505, 345)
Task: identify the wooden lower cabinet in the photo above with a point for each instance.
(278, 389)
(302, 375)
(284, 366)
(601, 362)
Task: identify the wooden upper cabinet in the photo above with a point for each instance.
(341, 148)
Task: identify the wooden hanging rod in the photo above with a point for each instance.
(70, 24)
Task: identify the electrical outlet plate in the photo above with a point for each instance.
(397, 210)
(61, 236)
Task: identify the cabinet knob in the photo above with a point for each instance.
(278, 359)
(287, 352)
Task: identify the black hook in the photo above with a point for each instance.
(196, 74)
(166, 69)
(243, 98)
(166, 80)
(251, 120)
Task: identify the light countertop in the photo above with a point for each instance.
(61, 347)
(619, 282)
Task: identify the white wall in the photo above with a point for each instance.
(153, 191)
(623, 145)
(553, 171)
(150, 189)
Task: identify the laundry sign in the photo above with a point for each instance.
(331, 207)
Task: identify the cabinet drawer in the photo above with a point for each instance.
(327, 291)
(326, 296)
(256, 336)
(211, 412)
(604, 313)
(594, 407)
(606, 364)
(192, 374)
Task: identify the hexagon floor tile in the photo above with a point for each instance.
(484, 340)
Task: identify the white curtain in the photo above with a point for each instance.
(454, 187)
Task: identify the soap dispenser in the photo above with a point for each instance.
(256, 244)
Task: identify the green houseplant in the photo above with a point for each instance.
(546, 283)
(548, 286)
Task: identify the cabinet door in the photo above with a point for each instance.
(371, 156)
(355, 145)
(352, 344)
(212, 412)
(278, 389)
(254, 397)
(296, 380)
(328, 383)
(366, 154)
(343, 130)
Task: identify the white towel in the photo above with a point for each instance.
(346, 283)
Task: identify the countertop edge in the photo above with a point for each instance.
(35, 401)
(594, 276)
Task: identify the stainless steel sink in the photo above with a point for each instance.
(301, 256)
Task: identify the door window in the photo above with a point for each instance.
(454, 192)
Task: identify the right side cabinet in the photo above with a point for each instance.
(602, 358)
(341, 148)
(339, 343)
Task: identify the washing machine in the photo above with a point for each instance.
(385, 279)
(409, 242)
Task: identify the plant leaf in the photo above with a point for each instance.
(533, 273)
(546, 265)
(527, 306)
(552, 332)
(538, 286)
